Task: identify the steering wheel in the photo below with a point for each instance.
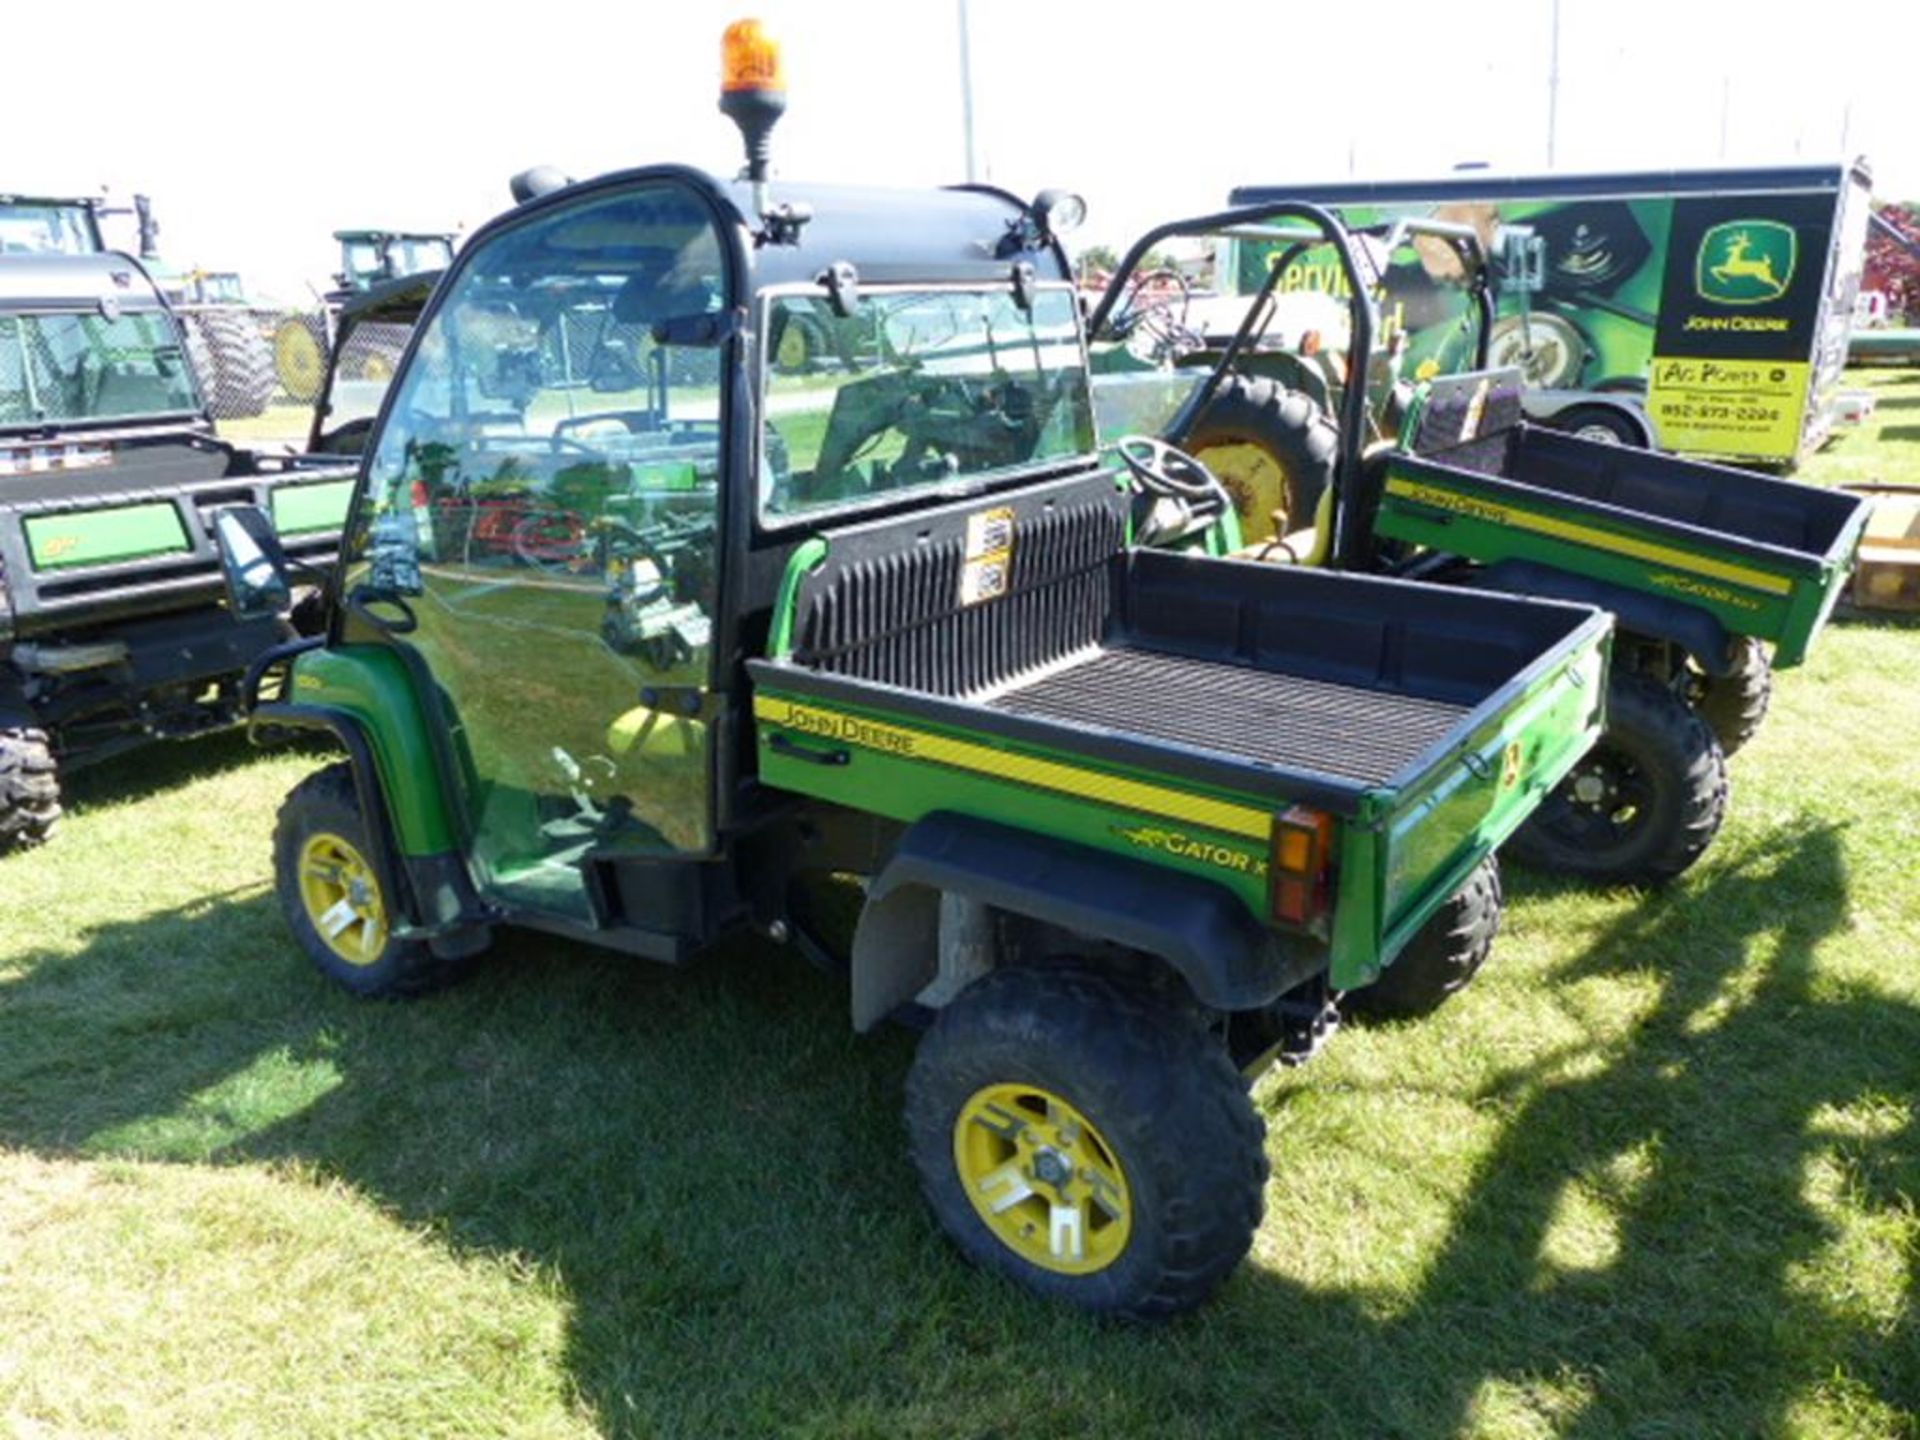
(1161, 469)
(1154, 327)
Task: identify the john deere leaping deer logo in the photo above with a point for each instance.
(1746, 262)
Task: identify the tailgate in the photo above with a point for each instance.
(1421, 836)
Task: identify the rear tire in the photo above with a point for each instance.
(335, 904)
(1035, 1073)
(1734, 704)
(29, 789)
(242, 364)
(1645, 802)
(1273, 448)
(1442, 958)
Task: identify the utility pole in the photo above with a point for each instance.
(966, 96)
(1553, 87)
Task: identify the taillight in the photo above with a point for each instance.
(1297, 871)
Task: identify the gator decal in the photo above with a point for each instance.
(1193, 847)
(1607, 540)
(1056, 775)
(102, 537)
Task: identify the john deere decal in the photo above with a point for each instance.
(1745, 262)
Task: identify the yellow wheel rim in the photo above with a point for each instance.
(297, 360)
(1257, 481)
(376, 367)
(342, 898)
(794, 350)
(1043, 1179)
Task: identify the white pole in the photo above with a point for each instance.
(966, 96)
(1553, 87)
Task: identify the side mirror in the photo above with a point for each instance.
(251, 562)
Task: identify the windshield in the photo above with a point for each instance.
(87, 367)
(917, 389)
(46, 229)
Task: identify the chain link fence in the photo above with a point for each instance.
(259, 369)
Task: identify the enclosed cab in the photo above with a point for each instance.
(112, 626)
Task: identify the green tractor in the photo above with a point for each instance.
(369, 259)
(647, 637)
(1438, 477)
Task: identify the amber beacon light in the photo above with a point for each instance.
(753, 94)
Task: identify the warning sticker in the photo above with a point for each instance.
(989, 560)
(1728, 407)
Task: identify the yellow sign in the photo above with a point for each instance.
(1729, 407)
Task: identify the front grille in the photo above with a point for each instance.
(1333, 729)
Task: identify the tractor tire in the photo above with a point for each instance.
(29, 789)
(1087, 1138)
(374, 360)
(1734, 704)
(200, 359)
(1644, 803)
(242, 364)
(331, 893)
(1442, 958)
(300, 356)
(1273, 448)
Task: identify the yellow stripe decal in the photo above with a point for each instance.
(1585, 535)
(1221, 815)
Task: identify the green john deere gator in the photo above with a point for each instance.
(646, 638)
(1442, 480)
(112, 626)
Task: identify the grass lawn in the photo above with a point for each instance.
(1654, 1175)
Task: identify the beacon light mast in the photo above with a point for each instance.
(753, 94)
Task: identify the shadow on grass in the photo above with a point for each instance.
(163, 765)
(712, 1167)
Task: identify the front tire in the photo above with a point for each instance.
(1645, 802)
(333, 898)
(1087, 1138)
(29, 789)
(1443, 956)
(1734, 704)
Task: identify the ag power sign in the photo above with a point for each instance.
(1734, 343)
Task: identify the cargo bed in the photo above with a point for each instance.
(1147, 700)
(1765, 557)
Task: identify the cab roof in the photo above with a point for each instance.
(961, 235)
(75, 282)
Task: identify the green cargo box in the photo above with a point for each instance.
(1766, 558)
(1165, 707)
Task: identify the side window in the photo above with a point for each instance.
(543, 502)
(561, 418)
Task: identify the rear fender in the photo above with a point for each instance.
(1228, 959)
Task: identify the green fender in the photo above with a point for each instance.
(370, 688)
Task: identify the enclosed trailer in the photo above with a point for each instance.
(1703, 311)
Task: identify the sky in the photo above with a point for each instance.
(411, 115)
